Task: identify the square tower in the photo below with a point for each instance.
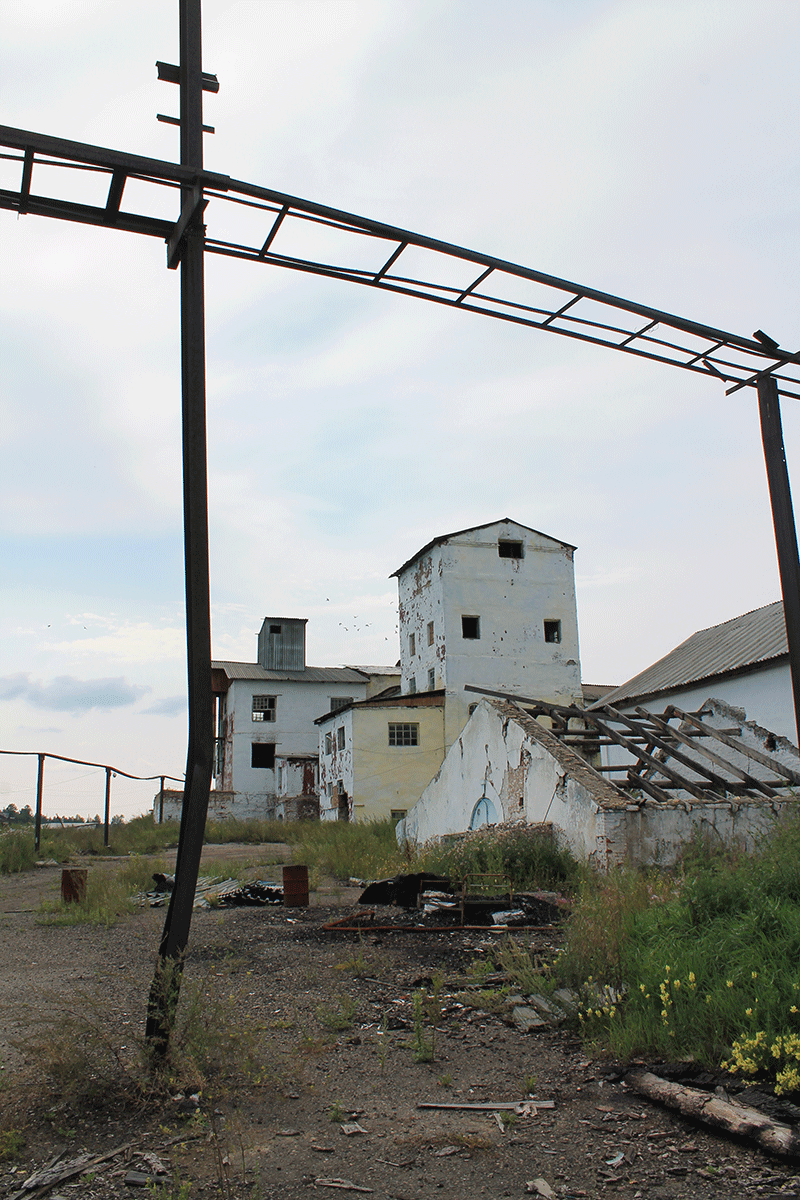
(493, 606)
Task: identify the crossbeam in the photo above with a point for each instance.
(498, 288)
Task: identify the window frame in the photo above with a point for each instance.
(403, 734)
(256, 746)
(552, 626)
(470, 637)
(260, 715)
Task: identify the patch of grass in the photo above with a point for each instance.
(426, 1012)
(367, 850)
(12, 1143)
(337, 1113)
(16, 851)
(490, 999)
(338, 1015)
(85, 1057)
(525, 853)
(527, 971)
(704, 964)
(110, 894)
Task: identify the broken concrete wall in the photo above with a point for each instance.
(222, 806)
(505, 768)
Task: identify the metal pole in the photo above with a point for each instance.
(37, 835)
(780, 495)
(164, 991)
(108, 805)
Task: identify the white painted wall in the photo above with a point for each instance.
(498, 772)
(335, 764)
(299, 703)
(466, 576)
(764, 694)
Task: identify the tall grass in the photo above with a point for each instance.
(709, 962)
(527, 855)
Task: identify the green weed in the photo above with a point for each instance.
(12, 1143)
(338, 1015)
(700, 965)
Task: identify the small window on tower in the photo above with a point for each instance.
(510, 549)
(340, 737)
(430, 633)
(552, 631)
(275, 628)
(412, 644)
(471, 628)
(431, 679)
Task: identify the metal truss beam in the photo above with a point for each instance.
(500, 289)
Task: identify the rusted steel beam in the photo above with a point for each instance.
(780, 496)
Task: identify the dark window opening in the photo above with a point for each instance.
(552, 631)
(338, 702)
(412, 644)
(340, 737)
(275, 628)
(471, 628)
(771, 742)
(430, 633)
(510, 549)
(262, 754)
(431, 679)
(472, 708)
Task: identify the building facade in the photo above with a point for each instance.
(265, 713)
(376, 756)
(494, 607)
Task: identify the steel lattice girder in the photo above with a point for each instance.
(388, 258)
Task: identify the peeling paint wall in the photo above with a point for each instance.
(497, 772)
(336, 765)
(506, 768)
(378, 779)
(298, 704)
(511, 597)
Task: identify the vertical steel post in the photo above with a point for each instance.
(108, 806)
(37, 834)
(780, 495)
(163, 994)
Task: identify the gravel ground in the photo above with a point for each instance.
(330, 1018)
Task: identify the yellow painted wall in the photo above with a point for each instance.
(393, 777)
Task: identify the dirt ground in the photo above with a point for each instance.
(330, 1016)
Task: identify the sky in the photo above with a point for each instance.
(644, 148)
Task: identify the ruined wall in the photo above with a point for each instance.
(298, 704)
(336, 764)
(502, 769)
(222, 806)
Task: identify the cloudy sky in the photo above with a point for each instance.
(641, 147)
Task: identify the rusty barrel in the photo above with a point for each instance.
(73, 884)
(295, 887)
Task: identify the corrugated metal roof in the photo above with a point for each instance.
(446, 538)
(241, 670)
(742, 642)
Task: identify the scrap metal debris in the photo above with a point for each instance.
(216, 892)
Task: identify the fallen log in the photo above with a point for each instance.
(732, 1118)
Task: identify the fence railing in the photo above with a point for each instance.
(109, 770)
